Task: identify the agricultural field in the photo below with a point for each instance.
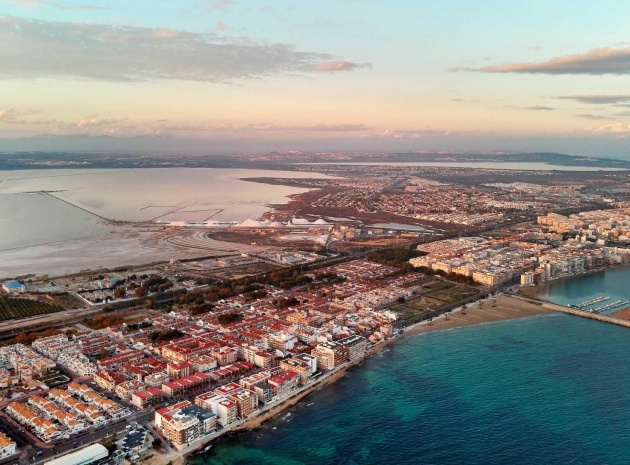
(11, 308)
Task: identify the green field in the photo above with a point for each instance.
(11, 308)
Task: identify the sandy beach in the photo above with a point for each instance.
(508, 308)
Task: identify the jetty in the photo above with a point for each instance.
(594, 301)
(587, 314)
(609, 306)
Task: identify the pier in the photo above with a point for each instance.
(594, 301)
(609, 306)
(586, 314)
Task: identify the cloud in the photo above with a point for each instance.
(592, 116)
(270, 126)
(329, 128)
(221, 26)
(35, 48)
(164, 33)
(597, 62)
(94, 121)
(30, 4)
(624, 113)
(216, 5)
(612, 128)
(597, 99)
(414, 133)
(65, 6)
(539, 108)
(328, 66)
(90, 125)
(13, 116)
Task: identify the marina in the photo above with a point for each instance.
(596, 300)
(609, 306)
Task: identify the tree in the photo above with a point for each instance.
(228, 318)
(21, 338)
(141, 292)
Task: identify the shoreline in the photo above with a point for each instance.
(508, 308)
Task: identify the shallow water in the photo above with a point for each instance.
(190, 194)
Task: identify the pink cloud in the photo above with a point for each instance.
(597, 61)
(339, 65)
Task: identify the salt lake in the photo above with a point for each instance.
(42, 206)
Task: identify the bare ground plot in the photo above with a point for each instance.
(623, 314)
(238, 271)
(69, 301)
(443, 292)
(429, 298)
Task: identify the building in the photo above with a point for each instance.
(185, 423)
(177, 370)
(7, 446)
(246, 402)
(330, 355)
(227, 411)
(156, 379)
(185, 385)
(108, 380)
(89, 454)
(302, 368)
(284, 383)
(264, 391)
(13, 286)
(147, 397)
(356, 345)
(135, 442)
(126, 389)
(226, 355)
(203, 363)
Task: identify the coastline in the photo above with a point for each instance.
(508, 308)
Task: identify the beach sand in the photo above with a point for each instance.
(508, 308)
(623, 314)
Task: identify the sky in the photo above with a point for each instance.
(223, 76)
